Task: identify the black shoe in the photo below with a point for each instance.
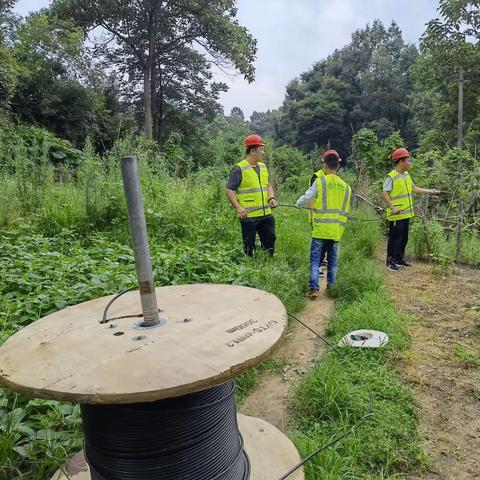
(403, 263)
(392, 266)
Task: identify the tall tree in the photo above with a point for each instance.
(236, 113)
(52, 83)
(452, 53)
(7, 63)
(147, 35)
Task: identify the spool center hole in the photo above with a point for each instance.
(360, 338)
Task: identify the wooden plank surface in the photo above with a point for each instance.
(212, 333)
(271, 453)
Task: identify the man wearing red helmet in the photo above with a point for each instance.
(251, 194)
(397, 193)
(331, 197)
(313, 179)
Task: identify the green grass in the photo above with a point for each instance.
(64, 251)
(431, 242)
(336, 393)
(468, 355)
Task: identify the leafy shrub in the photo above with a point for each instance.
(471, 248)
(427, 239)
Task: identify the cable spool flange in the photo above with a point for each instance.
(212, 333)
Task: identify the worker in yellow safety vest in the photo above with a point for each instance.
(251, 194)
(317, 174)
(397, 193)
(331, 197)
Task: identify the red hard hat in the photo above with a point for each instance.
(330, 152)
(400, 153)
(253, 140)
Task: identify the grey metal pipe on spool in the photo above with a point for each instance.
(138, 230)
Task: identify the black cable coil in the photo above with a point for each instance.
(190, 437)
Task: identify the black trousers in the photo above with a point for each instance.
(265, 227)
(397, 239)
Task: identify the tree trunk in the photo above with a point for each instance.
(161, 113)
(460, 110)
(147, 84)
(155, 102)
(147, 99)
(458, 257)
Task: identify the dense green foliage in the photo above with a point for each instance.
(337, 392)
(69, 243)
(47, 81)
(366, 83)
(450, 45)
(456, 173)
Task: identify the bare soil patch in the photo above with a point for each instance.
(270, 399)
(443, 366)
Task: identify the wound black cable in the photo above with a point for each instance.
(362, 420)
(194, 437)
(314, 332)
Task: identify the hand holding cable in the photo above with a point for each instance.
(242, 212)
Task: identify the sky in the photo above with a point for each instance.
(292, 35)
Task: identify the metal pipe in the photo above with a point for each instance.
(138, 230)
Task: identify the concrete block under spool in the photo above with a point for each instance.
(271, 453)
(364, 339)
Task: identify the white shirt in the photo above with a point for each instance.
(388, 183)
(309, 195)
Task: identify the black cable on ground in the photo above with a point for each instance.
(315, 333)
(334, 441)
(350, 217)
(194, 436)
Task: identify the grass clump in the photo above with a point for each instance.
(337, 392)
(430, 241)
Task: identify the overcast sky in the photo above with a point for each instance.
(294, 34)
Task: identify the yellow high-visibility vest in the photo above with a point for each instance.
(331, 208)
(401, 196)
(252, 194)
(317, 174)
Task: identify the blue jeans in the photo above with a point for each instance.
(317, 250)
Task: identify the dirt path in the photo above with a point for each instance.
(270, 398)
(443, 368)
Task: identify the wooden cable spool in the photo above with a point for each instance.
(212, 334)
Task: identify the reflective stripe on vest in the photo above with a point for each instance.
(331, 209)
(251, 190)
(252, 193)
(401, 196)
